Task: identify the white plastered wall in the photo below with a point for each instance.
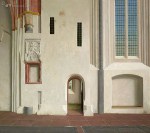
(127, 91)
(60, 58)
(5, 60)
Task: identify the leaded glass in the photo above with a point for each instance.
(132, 28)
(120, 27)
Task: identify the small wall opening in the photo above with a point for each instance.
(75, 96)
(127, 91)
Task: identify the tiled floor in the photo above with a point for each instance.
(13, 119)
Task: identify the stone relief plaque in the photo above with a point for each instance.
(32, 50)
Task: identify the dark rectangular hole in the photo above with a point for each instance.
(51, 25)
(79, 34)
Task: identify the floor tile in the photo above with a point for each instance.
(79, 123)
(23, 123)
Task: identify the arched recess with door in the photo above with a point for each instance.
(75, 95)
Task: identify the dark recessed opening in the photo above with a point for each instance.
(52, 31)
(79, 34)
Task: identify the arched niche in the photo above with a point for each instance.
(127, 91)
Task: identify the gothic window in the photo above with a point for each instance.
(126, 28)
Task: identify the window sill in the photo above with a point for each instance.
(129, 59)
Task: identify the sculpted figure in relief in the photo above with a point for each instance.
(32, 51)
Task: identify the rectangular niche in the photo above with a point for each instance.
(33, 73)
(127, 91)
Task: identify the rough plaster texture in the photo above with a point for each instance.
(5, 59)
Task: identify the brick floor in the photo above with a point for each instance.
(13, 119)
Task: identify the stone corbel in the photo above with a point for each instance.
(28, 23)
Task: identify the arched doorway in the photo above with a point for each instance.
(75, 90)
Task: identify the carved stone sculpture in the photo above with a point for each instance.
(32, 50)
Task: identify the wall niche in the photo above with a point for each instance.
(32, 61)
(127, 91)
(33, 73)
